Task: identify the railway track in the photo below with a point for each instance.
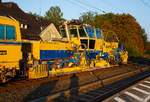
(20, 82)
(139, 92)
(67, 87)
(100, 89)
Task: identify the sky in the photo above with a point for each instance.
(72, 9)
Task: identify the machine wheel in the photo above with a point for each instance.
(3, 78)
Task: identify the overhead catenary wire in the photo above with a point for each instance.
(145, 3)
(109, 4)
(89, 5)
(79, 5)
(40, 8)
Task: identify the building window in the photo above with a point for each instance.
(21, 25)
(7, 32)
(41, 28)
(25, 26)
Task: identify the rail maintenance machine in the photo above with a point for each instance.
(77, 51)
(90, 41)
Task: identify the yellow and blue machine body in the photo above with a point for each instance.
(10, 46)
(30, 58)
(81, 48)
(51, 50)
(88, 40)
(47, 56)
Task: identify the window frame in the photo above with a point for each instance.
(84, 32)
(73, 28)
(90, 32)
(62, 33)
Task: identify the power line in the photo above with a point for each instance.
(79, 5)
(40, 7)
(109, 4)
(91, 6)
(145, 3)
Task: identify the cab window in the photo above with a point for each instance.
(63, 32)
(82, 32)
(10, 32)
(90, 32)
(73, 32)
(98, 34)
(2, 36)
(7, 32)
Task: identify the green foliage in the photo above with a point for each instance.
(88, 18)
(144, 36)
(124, 26)
(133, 51)
(35, 14)
(100, 19)
(148, 52)
(55, 15)
(95, 19)
(107, 37)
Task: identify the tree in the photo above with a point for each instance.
(124, 26)
(101, 19)
(128, 31)
(88, 18)
(55, 15)
(95, 19)
(35, 14)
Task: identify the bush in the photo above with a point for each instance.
(133, 51)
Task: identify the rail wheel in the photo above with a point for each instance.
(3, 78)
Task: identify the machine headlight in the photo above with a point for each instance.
(73, 45)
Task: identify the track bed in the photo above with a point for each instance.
(20, 90)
